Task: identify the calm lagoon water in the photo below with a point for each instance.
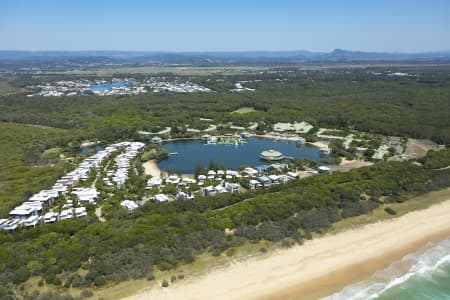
(109, 86)
(87, 148)
(193, 152)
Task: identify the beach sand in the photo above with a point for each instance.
(353, 164)
(319, 144)
(151, 168)
(319, 267)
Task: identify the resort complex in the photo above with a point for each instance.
(69, 197)
(219, 175)
(110, 167)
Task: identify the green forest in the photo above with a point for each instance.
(88, 253)
(414, 106)
(40, 140)
(29, 161)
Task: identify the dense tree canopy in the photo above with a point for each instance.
(415, 106)
(86, 252)
(164, 235)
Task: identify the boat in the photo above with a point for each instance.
(212, 141)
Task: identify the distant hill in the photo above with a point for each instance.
(347, 55)
(137, 58)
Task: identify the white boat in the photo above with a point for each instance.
(212, 140)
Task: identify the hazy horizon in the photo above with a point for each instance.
(224, 51)
(233, 26)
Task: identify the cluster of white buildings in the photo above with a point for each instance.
(259, 177)
(215, 182)
(157, 86)
(238, 87)
(30, 213)
(297, 127)
(182, 184)
(119, 175)
(126, 86)
(63, 87)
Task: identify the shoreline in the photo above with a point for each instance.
(336, 280)
(151, 168)
(319, 267)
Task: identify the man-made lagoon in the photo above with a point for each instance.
(193, 152)
(87, 148)
(107, 86)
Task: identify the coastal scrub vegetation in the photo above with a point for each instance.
(436, 160)
(29, 161)
(87, 253)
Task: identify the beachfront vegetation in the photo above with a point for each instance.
(436, 160)
(163, 235)
(154, 152)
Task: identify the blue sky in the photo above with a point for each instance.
(196, 25)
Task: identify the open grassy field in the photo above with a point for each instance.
(7, 87)
(244, 110)
(233, 70)
(177, 70)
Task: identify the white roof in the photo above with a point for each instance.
(22, 210)
(161, 198)
(80, 210)
(189, 180)
(128, 204)
(50, 215)
(274, 177)
(323, 168)
(250, 171)
(295, 175)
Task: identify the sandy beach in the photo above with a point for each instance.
(319, 144)
(151, 168)
(319, 267)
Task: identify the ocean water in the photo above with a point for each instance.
(421, 275)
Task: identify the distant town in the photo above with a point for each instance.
(115, 86)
